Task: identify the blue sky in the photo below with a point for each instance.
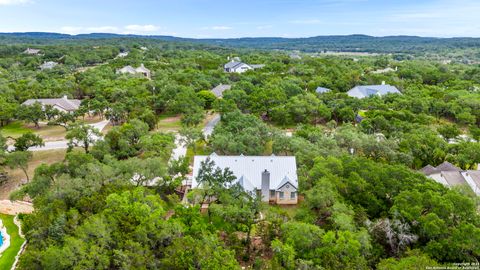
(244, 18)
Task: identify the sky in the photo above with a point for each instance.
(244, 18)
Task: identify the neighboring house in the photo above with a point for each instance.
(122, 54)
(48, 65)
(218, 90)
(450, 176)
(140, 70)
(62, 104)
(363, 91)
(321, 90)
(32, 51)
(236, 67)
(274, 178)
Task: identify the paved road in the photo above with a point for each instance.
(63, 144)
(208, 130)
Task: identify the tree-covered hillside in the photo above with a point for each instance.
(117, 203)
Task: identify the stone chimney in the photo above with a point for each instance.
(383, 82)
(265, 186)
(65, 97)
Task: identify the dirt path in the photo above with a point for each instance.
(15, 207)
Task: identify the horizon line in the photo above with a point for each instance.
(227, 38)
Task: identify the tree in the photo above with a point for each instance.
(19, 159)
(27, 140)
(414, 260)
(82, 135)
(213, 180)
(32, 113)
(190, 137)
(192, 118)
(208, 98)
(449, 131)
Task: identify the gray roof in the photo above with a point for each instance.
(447, 166)
(321, 90)
(444, 167)
(248, 169)
(475, 175)
(64, 103)
(233, 64)
(363, 91)
(285, 181)
(428, 170)
(218, 91)
(48, 65)
(453, 178)
(31, 51)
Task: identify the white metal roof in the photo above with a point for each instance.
(249, 169)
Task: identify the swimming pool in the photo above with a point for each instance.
(1, 239)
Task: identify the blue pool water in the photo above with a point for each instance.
(1, 239)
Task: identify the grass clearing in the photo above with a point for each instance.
(8, 257)
(48, 133)
(14, 129)
(17, 177)
(169, 123)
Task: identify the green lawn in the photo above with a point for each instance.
(14, 129)
(17, 128)
(8, 257)
(168, 123)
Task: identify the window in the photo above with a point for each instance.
(281, 195)
(287, 186)
(292, 195)
(272, 193)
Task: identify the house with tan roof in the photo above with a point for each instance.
(62, 104)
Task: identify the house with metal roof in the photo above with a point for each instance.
(274, 178)
(140, 70)
(364, 91)
(62, 104)
(321, 90)
(449, 175)
(236, 67)
(31, 51)
(48, 65)
(219, 89)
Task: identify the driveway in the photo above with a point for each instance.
(180, 151)
(208, 130)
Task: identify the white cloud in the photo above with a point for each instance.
(217, 28)
(14, 2)
(310, 21)
(136, 28)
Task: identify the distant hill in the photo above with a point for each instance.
(350, 43)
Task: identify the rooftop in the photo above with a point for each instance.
(248, 169)
(64, 103)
